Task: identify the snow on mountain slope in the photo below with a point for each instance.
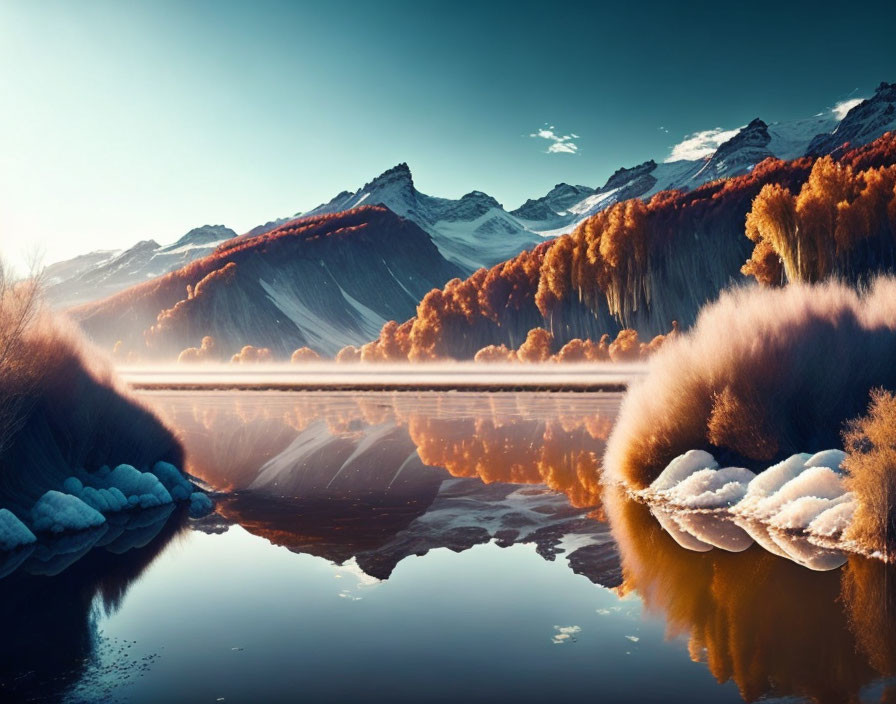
(865, 122)
(72, 268)
(790, 140)
(473, 232)
(102, 274)
(556, 202)
(325, 281)
(820, 134)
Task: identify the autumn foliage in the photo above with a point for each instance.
(495, 353)
(304, 354)
(601, 278)
(870, 442)
(639, 265)
(252, 355)
(348, 354)
(767, 372)
(841, 222)
(207, 351)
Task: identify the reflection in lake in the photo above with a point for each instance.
(378, 477)
(430, 547)
(54, 593)
(769, 624)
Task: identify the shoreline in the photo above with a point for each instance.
(367, 378)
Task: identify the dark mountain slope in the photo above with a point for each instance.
(324, 281)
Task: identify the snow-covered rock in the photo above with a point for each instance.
(56, 512)
(802, 495)
(13, 533)
(173, 480)
(141, 488)
(200, 504)
(711, 488)
(681, 468)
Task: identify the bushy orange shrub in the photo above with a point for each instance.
(304, 354)
(252, 355)
(870, 443)
(495, 353)
(537, 347)
(348, 354)
(207, 351)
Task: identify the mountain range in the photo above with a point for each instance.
(323, 281)
(459, 236)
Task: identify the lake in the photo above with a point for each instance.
(425, 546)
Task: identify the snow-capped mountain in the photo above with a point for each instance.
(821, 134)
(738, 155)
(559, 199)
(473, 231)
(791, 139)
(324, 281)
(865, 122)
(100, 274)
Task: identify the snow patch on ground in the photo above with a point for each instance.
(784, 508)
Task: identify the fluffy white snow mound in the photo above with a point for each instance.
(710, 488)
(804, 493)
(13, 533)
(682, 467)
(56, 512)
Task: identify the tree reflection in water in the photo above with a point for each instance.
(49, 606)
(767, 623)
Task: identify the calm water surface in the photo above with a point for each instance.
(424, 547)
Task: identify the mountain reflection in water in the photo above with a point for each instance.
(317, 487)
(378, 477)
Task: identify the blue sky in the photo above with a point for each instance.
(123, 121)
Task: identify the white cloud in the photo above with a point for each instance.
(844, 106)
(560, 143)
(663, 129)
(700, 144)
(563, 148)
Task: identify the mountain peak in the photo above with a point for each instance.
(740, 153)
(626, 175)
(754, 136)
(398, 177)
(205, 234)
(558, 200)
(483, 198)
(397, 172)
(862, 124)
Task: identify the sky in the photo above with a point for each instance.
(122, 121)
